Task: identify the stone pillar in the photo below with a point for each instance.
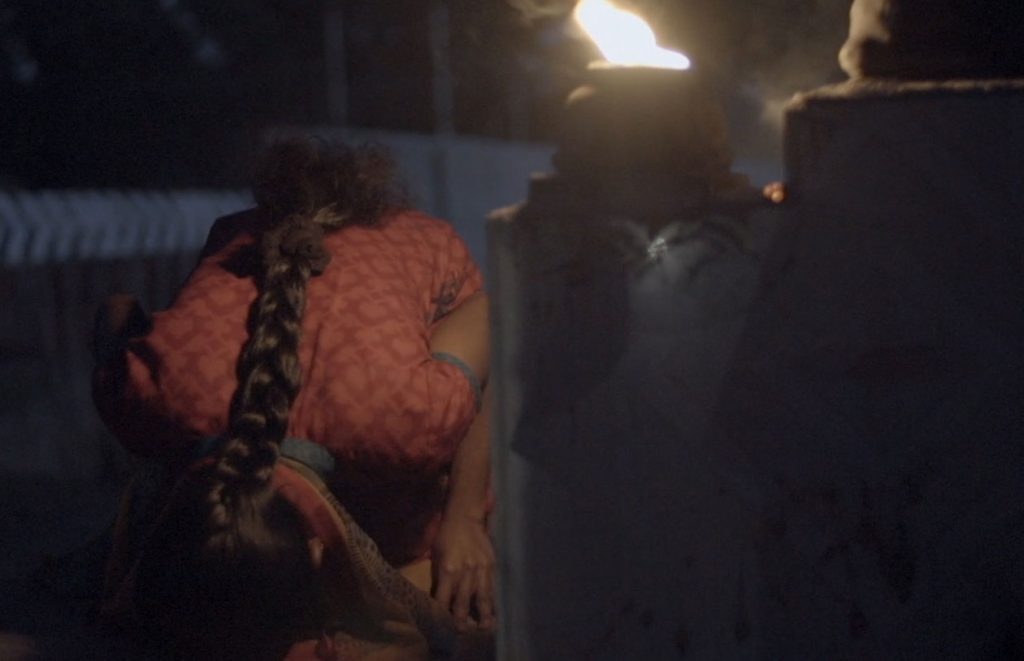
(621, 530)
(796, 436)
(876, 394)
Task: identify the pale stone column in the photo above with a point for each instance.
(803, 445)
(622, 531)
(877, 392)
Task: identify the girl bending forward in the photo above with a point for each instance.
(312, 412)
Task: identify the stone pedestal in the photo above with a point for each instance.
(798, 436)
(877, 391)
(621, 533)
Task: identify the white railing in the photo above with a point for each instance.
(48, 226)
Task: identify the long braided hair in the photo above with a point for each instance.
(227, 570)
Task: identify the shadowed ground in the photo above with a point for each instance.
(53, 547)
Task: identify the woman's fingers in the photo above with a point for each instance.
(459, 589)
(485, 597)
(443, 584)
(464, 573)
(463, 596)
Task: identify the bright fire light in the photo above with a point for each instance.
(625, 38)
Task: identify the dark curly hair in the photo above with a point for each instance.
(227, 572)
(301, 176)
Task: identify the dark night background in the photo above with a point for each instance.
(175, 93)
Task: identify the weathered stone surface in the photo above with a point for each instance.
(876, 394)
(808, 450)
(613, 518)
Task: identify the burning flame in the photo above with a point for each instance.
(625, 38)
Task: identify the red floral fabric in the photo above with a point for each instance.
(371, 393)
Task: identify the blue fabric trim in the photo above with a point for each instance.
(307, 452)
(304, 451)
(474, 382)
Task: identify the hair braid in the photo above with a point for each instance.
(307, 187)
(227, 542)
(269, 376)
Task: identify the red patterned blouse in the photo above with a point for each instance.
(372, 395)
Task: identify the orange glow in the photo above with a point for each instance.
(776, 192)
(624, 38)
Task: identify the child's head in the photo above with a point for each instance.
(228, 572)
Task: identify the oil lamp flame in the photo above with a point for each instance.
(624, 38)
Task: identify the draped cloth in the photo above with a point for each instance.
(374, 613)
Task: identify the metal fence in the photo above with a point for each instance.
(61, 254)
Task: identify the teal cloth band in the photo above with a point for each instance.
(307, 452)
(474, 382)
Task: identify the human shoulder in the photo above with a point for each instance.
(412, 220)
(427, 234)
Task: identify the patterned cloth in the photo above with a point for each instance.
(372, 395)
(374, 613)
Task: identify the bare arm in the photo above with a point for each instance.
(471, 469)
(463, 559)
(464, 334)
